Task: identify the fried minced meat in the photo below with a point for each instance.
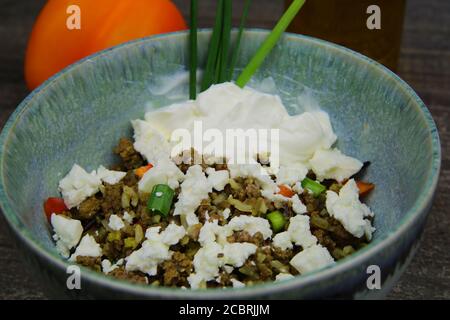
(136, 277)
(264, 265)
(130, 158)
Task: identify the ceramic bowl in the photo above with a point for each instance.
(79, 114)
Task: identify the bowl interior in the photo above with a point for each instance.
(79, 115)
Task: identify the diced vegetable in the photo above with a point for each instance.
(129, 197)
(139, 172)
(315, 187)
(280, 267)
(364, 187)
(54, 205)
(114, 236)
(319, 222)
(240, 205)
(130, 243)
(286, 191)
(234, 185)
(277, 220)
(138, 233)
(160, 200)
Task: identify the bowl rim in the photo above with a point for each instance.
(413, 215)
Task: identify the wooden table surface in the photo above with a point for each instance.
(424, 64)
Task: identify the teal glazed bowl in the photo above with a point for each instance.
(79, 114)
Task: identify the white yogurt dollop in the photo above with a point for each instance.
(302, 138)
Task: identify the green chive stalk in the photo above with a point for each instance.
(213, 48)
(225, 43)
(269, 43)
(193, 50)
(239, 38)
(315, 187)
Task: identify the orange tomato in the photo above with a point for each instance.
(103, 24)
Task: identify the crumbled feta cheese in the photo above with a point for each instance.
(283, 240)
(128, 217)
(194, 189)
(348, 210)
(237, 283)
(228, 269)
(332, 164)
(218, 179)
(283, 276)
(298, 232)
(252, 225)
(297, 187)
(147, 258)
(155, 249)
(115, 222)
(110, 176)
(78, 185)
(67, 233)
(149, 142)
(189, 219)
(312, 258)
(237, 253)
(208, 232)
(172, 234)
(297, 205)
(107, 266)
(88, 247)
(211, 231)
(292, 174)
(207, 262)
(216, 252)
(163, 172)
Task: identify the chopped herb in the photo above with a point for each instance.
(160, 200)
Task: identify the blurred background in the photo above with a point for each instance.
(414, 41)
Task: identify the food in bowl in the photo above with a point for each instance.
(174, 212)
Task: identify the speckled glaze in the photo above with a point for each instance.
(79, 114)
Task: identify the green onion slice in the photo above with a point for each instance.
(160, 200)
(315, 187)
(277, 220)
